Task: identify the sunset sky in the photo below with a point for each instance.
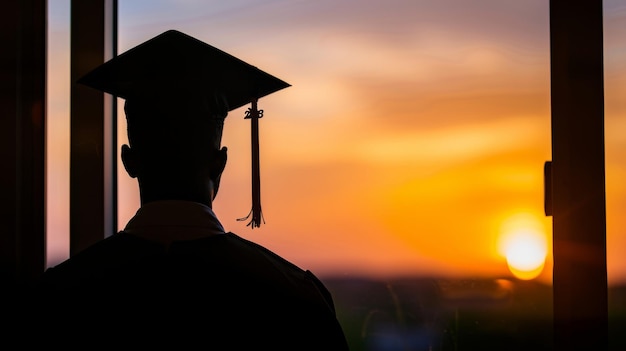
(412, 139)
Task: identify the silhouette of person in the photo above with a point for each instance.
(173, 276)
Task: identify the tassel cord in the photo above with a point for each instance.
(257, 214)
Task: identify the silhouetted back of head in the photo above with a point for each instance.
(175, 129)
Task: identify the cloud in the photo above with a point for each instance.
(453, 144)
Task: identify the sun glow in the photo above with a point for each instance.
(523, 244)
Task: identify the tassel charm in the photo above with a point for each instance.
(257, 215)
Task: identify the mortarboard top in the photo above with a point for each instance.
(174, 62)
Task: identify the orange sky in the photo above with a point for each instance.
(412, 131)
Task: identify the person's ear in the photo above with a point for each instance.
(223, 157)
(217, 168)
(129, 159)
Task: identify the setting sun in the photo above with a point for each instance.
(524, 246)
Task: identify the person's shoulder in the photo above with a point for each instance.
(307, 274)
(308, 308)
(284, 267)
(118, 246)
(112, 251)
(233, 256)
(254, 248)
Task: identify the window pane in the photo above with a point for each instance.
(403, 166)
(615, 148)
(58, 132)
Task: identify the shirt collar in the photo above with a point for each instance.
(174, 220)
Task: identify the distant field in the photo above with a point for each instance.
(446, 314)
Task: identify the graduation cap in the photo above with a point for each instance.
(174, 62)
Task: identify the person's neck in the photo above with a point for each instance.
(188, 189)
(170, 194)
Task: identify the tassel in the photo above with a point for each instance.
(257, 215)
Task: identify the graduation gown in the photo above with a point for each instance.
(216, 292)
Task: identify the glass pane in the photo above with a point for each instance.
(58, 132)
(615, 141)
(405, 164)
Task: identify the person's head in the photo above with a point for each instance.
(175, 144)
